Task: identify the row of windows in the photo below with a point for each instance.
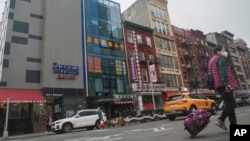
(103, 10)
(32, 76)
(139, 39)
(107, 86)
(171, 80)
(105, 51)
(23, 40)
(34, 60)
(99, 28)
(158, 12)
(13, 3)
(168, 61)
(165, 44)
(106, 66)
(161, 27)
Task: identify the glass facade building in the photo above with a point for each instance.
(105, 51)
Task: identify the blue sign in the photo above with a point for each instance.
(65, 69)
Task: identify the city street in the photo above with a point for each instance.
(152, 131)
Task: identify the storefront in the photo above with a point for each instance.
(119, 105)
(149, 95)
(25, 110)
(63, 102)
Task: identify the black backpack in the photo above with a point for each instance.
(209, 81)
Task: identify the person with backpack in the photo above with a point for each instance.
(224, 83)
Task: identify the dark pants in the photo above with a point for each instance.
(229, 106)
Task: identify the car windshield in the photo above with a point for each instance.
(176, 97)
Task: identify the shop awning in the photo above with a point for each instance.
(150, 93)
(21, 96)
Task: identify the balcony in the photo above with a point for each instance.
(188, 66)
(186, 42)
(187, 54)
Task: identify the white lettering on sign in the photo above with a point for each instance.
(240, 132)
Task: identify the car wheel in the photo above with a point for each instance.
(171, 117)
(97, 125)
(213, 109)
(67, 128)
(58, 132)
(90, 128)
(192, 109)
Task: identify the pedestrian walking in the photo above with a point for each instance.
(49, 124)
(224, 83)
(100, 117)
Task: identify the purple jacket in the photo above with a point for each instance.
(214, 68)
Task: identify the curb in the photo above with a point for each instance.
(24, 136)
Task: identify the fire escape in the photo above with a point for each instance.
(191, 65)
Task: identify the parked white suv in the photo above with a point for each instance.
(87, 118)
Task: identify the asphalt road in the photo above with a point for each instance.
(162, 130)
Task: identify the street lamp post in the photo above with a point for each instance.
(5, 132)
(153, 98)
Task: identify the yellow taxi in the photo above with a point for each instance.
(182, 104)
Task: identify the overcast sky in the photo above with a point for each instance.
(208, 15)
(205, 15)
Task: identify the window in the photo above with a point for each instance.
(82, 114)
(144, 75)
(32, 76)
(171, 80)
(129, 37)
(19, 111)
(36, 16)
(151, 58)
(148, 39)
(139, 39)
(27, 0)
(7, 48)
(11, 15)
(19, 40)
(5, 63)
(22, 27)
(35, 37)
(141, 56)
(120, 86)
(35, 60)
(98, 85)
(90, 113)
(3, 83)
(12, 4)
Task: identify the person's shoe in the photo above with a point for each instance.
(220, 124)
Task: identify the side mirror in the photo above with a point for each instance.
(77, 116)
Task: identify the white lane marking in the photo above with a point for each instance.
(169, 124)
(79, 139)
(114, 139)
(102, 130)
(161, 129)
(242, 114)
(117, 135)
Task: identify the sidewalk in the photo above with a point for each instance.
(128, 122)
(25, 135)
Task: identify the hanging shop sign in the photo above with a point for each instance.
(147, 87)
(133, 67)
(124, 98)
(65, 71)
